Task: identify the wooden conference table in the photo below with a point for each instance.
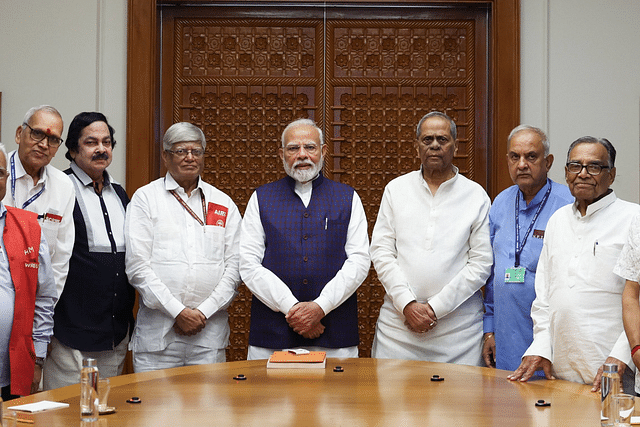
(370, 392)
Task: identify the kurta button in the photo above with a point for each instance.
(305, 281)
(306, 214)
(305, 259)
(305, 237)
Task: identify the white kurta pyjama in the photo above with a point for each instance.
(577, 313)
(436, 249)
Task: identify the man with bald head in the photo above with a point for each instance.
(517, 221)
(34, 185)
(303, 254)
(577, 312)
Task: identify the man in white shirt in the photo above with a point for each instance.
(431, 249)
(303, 254)
(36, 186)
(27, 297)
(577, 313)
(182, 238)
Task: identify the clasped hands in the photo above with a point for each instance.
(304, 318)
(189, 322)
(419, 317)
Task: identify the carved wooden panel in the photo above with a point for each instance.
(243, 80)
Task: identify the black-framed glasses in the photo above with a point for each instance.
(38, 136)
(593, 169)
(184, 152)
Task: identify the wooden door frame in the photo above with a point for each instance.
(143, 122)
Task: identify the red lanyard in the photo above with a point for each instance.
(193, 214)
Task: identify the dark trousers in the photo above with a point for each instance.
(6, 393)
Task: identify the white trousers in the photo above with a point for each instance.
(176, 354)
(256, 353)
(63, 364)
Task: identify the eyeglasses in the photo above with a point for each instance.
(593, 169)
(309, 148)
(38, 136)
(3, 173)
(184, 152)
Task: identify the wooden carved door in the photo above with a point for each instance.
(365, 75)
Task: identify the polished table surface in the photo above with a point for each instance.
(370, 392)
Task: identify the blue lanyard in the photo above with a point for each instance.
(13, 185)
(520, 247)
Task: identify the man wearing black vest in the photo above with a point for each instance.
(94, 315)
(303, 253)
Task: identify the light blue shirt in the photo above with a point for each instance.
(508, 305)
(46, 297)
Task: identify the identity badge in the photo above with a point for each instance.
(514, 275)
(217, 214)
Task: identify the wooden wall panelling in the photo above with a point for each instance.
(221, 99)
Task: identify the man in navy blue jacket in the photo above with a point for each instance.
(303, 253)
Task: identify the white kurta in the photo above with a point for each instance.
(628, 267)
(174, 262)
(436, 249)
(577, 313)
(54, 207)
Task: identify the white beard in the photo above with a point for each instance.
(303, 175)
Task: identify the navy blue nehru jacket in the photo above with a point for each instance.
(305, 248)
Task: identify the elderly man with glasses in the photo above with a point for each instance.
(182, 237)
(34, 185)
(577, 313)
(27, 296)
(303, 253)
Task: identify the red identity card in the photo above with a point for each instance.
(217, 215)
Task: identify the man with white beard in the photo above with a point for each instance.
(303, 253)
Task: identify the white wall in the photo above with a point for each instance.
(580, 71)
(70, 54)
(581, 76)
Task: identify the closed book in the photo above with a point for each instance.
(288, 360)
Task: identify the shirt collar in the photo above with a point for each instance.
(450, 181)
(19, 169)
(171, 184)
(595, 206)
(3, 210)
(86, 179)
(537, 199)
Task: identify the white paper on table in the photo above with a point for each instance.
(39, 406)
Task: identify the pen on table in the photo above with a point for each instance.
(594, 247)
(325, 223)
